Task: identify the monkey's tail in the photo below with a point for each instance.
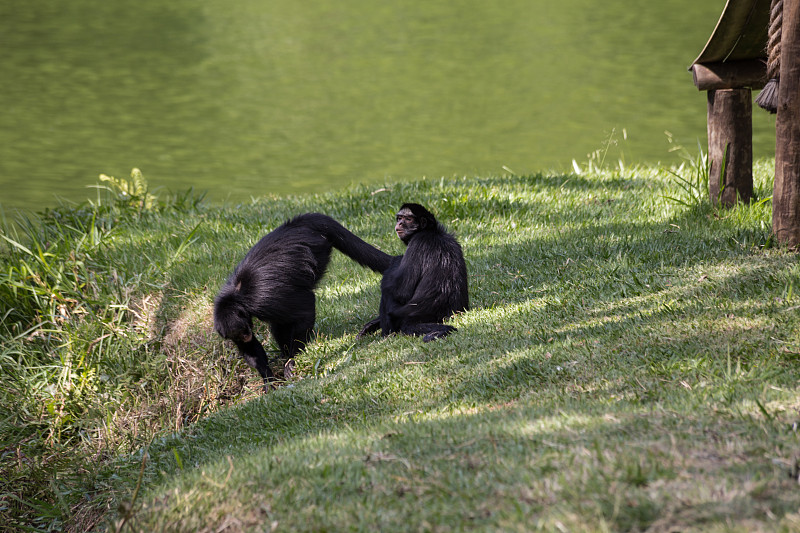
(349, 243)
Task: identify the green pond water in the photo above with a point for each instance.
(251, 97)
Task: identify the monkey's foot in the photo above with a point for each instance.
(442, 331)
(288, 369)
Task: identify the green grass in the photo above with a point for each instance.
(630, 362)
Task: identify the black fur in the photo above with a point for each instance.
(425, 285)
(275, 283)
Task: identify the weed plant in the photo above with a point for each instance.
(629, 363)
(691, 179)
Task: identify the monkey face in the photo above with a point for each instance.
(236, 326)
(244, 335)
(241, 328)
(406, 225)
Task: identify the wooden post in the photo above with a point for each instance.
(730, 143)
(786, 193)
(730, 74)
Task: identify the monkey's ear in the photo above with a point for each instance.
(423, 222)
(244, 281)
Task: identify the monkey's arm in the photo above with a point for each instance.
(422, 305)
(255, 356)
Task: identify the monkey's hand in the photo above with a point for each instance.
(370, 327)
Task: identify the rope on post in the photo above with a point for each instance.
(768, 98)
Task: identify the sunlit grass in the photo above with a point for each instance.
(629, 362)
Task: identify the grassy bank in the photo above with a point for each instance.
(630, 362)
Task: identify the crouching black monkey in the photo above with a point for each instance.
(425, 285)
(275, 283)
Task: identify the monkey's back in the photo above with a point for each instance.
(284, 266)
(431, 278)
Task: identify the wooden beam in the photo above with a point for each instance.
(730, 146)
(730, 75)
(786, 193)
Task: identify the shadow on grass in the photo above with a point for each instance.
(592, 320)
(551, 456)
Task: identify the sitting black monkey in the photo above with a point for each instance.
(425, 285)
(275, 283)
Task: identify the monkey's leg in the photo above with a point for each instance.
(292, 335)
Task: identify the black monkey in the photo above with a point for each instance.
(275, 283)
(425, 285)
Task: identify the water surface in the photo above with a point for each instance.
(255, 97)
